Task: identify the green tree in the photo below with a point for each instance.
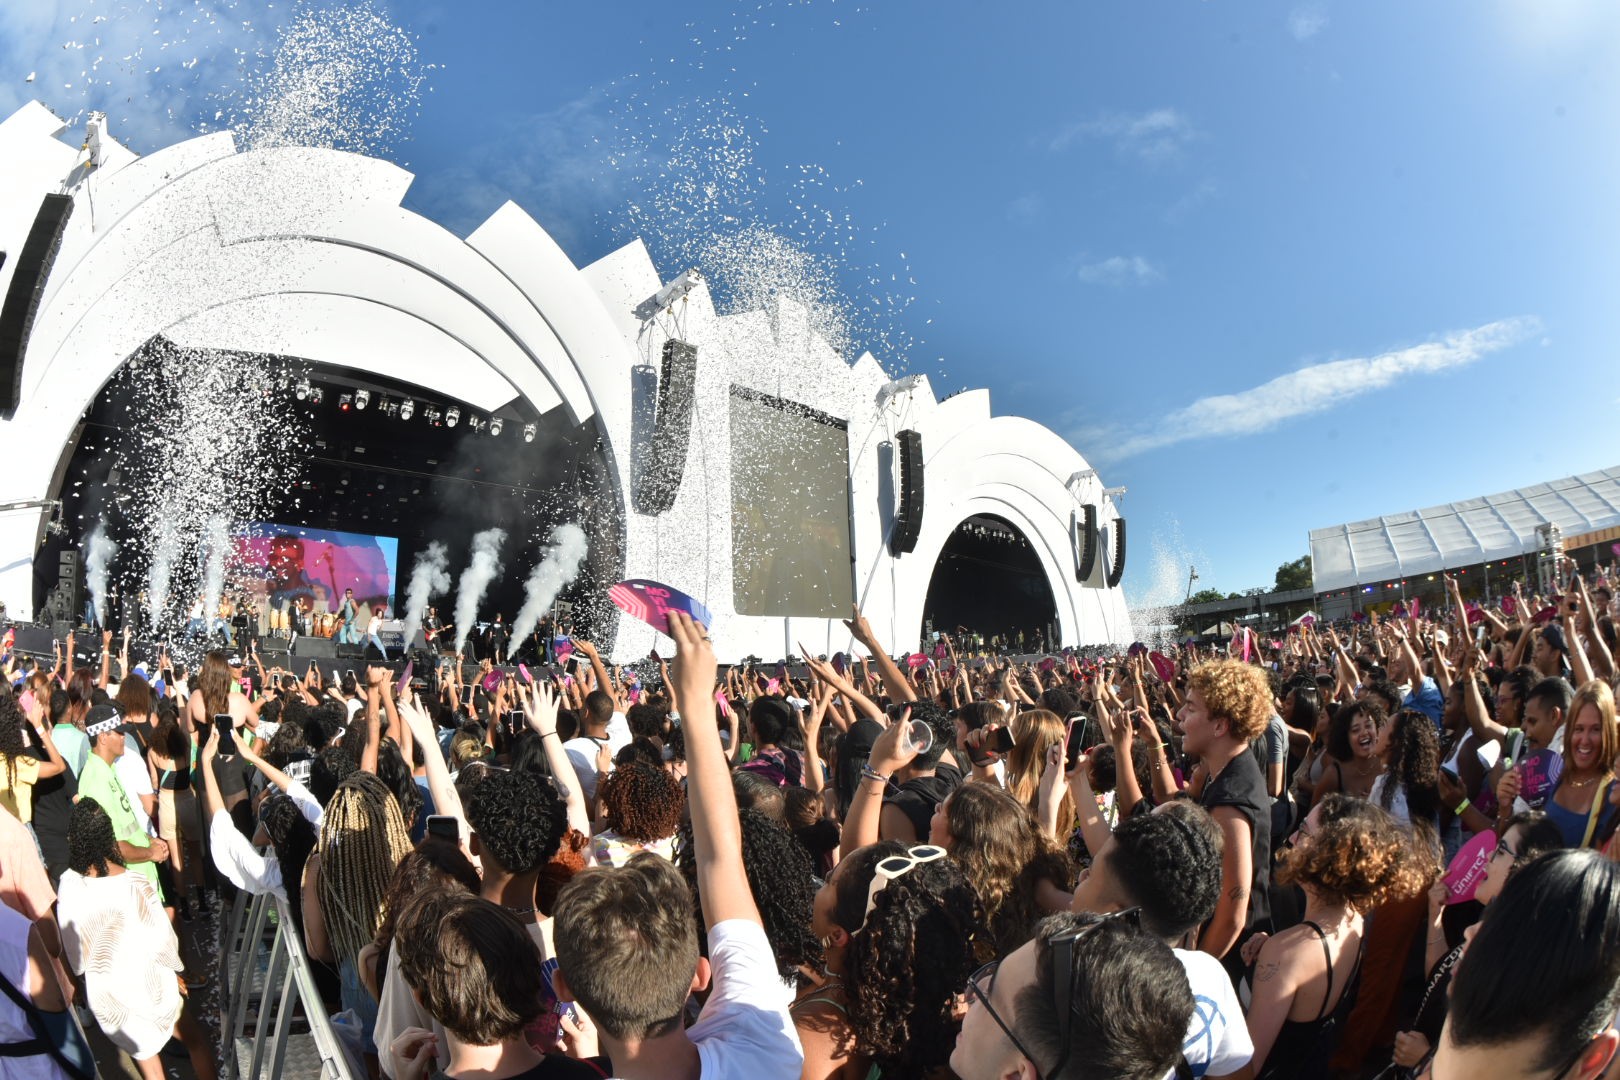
(1294, 575)
(1206, 596)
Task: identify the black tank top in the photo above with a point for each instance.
(1303, 1047)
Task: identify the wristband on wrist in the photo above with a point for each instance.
(1460, 807)
(869, 773)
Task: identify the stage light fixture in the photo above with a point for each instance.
(316, 395)
(528, 432)
(302, 390)
(431, 414)
(494, 425)
(386, 406)
(345, 402)
(406, 409)
(452, 416)
(362, 398)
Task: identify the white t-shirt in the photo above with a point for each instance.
(131, 771)
(744, 1031)
(1218, 1042)
(582, 750)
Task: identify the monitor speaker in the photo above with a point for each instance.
(23, 295)
(665, 460)
(1116, 569)
(909, 513)
(315, 648)
(1085, 544)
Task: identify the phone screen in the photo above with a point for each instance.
(1002, 741)
(1075, 744)
(222, 728)
(444, 826)
(514, 721)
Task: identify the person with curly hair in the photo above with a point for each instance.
(1408, 786)
(1020, 873)
(781, 878)
(641, 806)
(1349, 857)
(115, 934)
(1228, 706)
(903, 929)
(1352, 764)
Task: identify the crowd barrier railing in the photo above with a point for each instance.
(266, 985)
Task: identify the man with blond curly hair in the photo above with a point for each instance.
(1228, 705)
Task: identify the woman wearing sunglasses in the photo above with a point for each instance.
(902, 929)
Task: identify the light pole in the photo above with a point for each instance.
(1192, 576)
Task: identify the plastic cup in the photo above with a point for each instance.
(916, 738)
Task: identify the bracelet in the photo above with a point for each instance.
(869, 773)
(1459, 808)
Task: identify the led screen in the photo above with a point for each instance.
(789, 509)
(283, 564)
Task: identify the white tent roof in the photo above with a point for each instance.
(1462, 533)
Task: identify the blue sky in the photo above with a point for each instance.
(1271, 266)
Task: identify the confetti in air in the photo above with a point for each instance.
(430, 577)
(481, 570)
(547, 580)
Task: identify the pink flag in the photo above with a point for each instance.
(916, 660)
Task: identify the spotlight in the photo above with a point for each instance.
(362, 398)
(406, 409)
(528, 432)
(302, 390)
(452, 416)
(345, 402)
(431, 414)
(316, 395)
(388, 406)
(494, 425)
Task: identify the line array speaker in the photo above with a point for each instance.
(1085, 546)
(908, 516)
(1117, 569)
(23, 295)
(672, 429)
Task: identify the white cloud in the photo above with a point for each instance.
(1309, 390)
(1306, 22)
(1155, 136)
(1119, 270)
(1182, 208)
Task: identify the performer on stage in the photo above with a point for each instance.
(498, 639)
(375, 625)
(348, 614)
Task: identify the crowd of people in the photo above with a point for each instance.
(1379, 849)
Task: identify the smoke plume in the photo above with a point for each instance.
(98, 557)
(217, 541)
(430, 577)
(554, 574)
(485, 564)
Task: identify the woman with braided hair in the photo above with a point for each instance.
(903, 929)
(115, 933)
(363, 838)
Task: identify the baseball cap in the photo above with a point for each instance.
(102, 719)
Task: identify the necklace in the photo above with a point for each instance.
(1583, 783)
(521, 910)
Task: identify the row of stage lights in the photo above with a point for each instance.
(405, 408)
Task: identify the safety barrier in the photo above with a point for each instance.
(265, 986)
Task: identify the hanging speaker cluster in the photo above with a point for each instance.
(1086, 536)
(664, 456)
(909, 513)
(23, 295)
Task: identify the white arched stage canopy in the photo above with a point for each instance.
(309, 254)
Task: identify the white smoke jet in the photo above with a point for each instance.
(160, 576)
(430, 577)
(98, 556)
(554, 574)
(485, 564)
(217, 540)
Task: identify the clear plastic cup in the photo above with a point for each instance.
(916, 738)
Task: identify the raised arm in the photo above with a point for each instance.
(864, 823)
(598, 669)
(446, 800)
(716, 830)
(899, 689)
(106, 658)
(1600, 658)
(540, 708)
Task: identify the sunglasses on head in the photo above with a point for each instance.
(894, 867)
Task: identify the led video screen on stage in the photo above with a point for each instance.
(789, 509)
(278, 565)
